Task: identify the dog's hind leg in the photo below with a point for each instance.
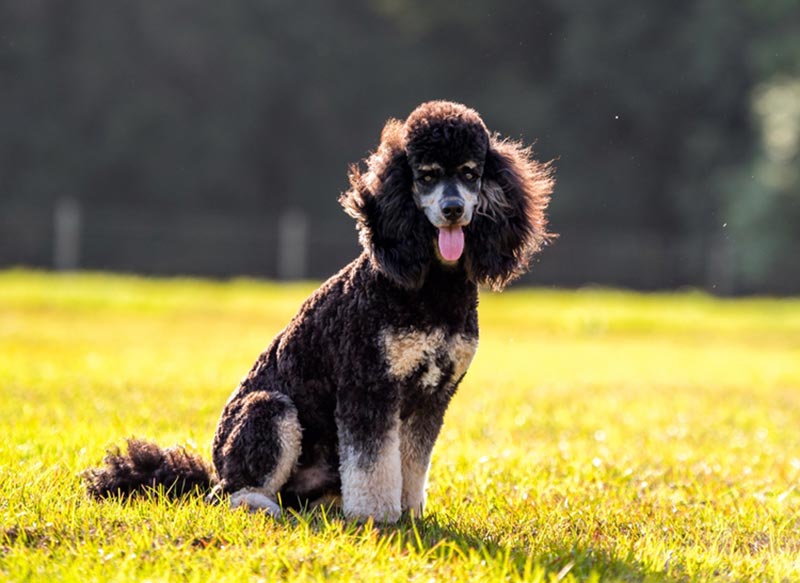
(256, 447)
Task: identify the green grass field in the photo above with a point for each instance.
(598, 436)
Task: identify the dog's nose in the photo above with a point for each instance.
(452, 209)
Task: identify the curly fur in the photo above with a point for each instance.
(146, 466)
(516, 191)
(511, 225)
(349, 398)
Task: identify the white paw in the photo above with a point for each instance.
(415, 509)
(413, 498)
(379, 510)
(255, 501)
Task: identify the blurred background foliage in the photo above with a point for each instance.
(185, 130)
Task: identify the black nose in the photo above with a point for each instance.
(452, 209)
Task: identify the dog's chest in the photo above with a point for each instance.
(429, 359)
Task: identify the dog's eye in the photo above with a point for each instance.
(470, 176)
(428, 179)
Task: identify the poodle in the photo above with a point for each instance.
(347, 401)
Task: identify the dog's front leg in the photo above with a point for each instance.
(415, 460)
(417, 436)
(370, 469)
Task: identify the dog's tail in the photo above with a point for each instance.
(146, 467)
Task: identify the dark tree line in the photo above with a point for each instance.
(663, 118)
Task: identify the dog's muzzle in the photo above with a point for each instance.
(449, 208)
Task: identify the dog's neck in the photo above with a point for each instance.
(447, 296)
(447, 277)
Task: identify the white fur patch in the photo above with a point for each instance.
(254, 500)
(289, 436)
(373, 491)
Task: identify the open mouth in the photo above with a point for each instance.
(451, 242)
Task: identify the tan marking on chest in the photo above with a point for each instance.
(405, 351)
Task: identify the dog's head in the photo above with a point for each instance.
(446, 148)
(441, 188)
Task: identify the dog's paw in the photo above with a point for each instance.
(378, 509)
(413, 498)
(382, 517)
(415, 510)
(255, 501)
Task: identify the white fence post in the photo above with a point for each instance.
(292, 245)
(66, 234)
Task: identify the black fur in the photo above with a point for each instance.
(502, 243)
(337, 379)
(147, 466)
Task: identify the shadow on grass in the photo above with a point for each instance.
(438, 539)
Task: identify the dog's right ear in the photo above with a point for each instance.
(391, 228)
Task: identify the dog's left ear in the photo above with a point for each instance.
(509, 225)
(394, 232)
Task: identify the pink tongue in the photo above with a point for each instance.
(451, 243)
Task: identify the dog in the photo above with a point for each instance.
(348, 400)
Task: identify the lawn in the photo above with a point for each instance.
(598, 436)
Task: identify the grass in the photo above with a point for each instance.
(599, 436)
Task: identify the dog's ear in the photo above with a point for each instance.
(391, 228)
(509, 225)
